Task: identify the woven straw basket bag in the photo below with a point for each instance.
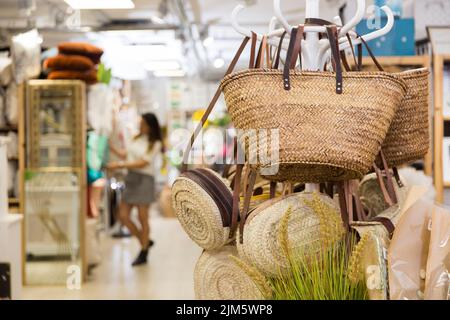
(372, 196)
(314, 219)
(331, 125)
(408, 138)
(202, 201)
(218, 277)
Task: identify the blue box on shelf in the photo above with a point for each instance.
(399, 42)
(395, 5)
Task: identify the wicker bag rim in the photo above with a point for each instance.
(323, 74)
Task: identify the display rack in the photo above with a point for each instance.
(404, 63)
(16, 204)
(440, 122)
(56, 147)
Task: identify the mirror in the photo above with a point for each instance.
(54, 181)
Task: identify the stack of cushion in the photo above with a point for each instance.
(76, 60)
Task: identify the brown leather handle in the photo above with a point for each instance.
(248, 192)
(211, 105)
(277, 57)
(387, 189)
(263, 51)
(236, 200)
(287, 65)
(336, 56)
(358, 64)
(295, 49)
(209, 183)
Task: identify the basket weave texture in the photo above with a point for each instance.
(217, 277)
(323, 136)
(198, 214)
(261, 246)
(408, 138)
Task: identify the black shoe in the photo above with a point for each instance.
(121, 234)
(150, 244)
(141, 258)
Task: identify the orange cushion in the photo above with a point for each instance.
(82, 49)
(89, 76)
(68, 62)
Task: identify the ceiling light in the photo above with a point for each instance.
(219, 63)
(208, 41)
(100, 4)
(169, 73)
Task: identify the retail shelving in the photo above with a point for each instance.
(439, 62)
(16, 203)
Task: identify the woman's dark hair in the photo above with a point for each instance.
(155, 130)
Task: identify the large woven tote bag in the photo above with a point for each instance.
(330, 125)
(408, 138)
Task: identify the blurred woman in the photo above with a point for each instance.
(141, 155)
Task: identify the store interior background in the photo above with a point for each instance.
(166, 57)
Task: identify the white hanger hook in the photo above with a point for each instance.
(235, 24)
(279, 15)
(359, 15)
(368, 37)
(272, 24)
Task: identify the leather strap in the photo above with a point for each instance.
(386, 196)
(273, 189)
(211, 106)
(397, 177)
(251, 63)
(251, 178)
(317, 22)
(222, 190)
(336, 57)
(387, 223)
(210, 186)
(390, 182)
(297, 51)
(277, 58)
(370, 54)
(236, 200)
(262, 52)
(342, 192)
(286, 80)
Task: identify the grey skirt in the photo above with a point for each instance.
(139, 188)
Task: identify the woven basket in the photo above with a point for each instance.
(323, 136)
(307, 230)
(408, 138)
(199, 214)
(217, 277)
(372, 197)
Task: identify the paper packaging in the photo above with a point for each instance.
(438, 265)
(408, 251)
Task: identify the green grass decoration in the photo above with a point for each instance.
(331, 274)
(104, 75)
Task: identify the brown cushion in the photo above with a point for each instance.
(82, 49)
(69, 62)
(89, 76)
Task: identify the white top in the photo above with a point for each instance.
(138, 149)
